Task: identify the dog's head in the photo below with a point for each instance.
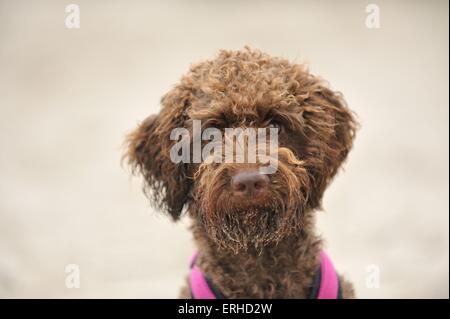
(240, 205)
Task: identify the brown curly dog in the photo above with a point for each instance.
(255, 232)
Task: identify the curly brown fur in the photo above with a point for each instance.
(266, 248)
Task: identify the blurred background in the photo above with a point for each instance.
(68, 97)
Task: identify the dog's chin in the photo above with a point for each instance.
(248, 229)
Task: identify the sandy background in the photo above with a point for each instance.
(67, 97)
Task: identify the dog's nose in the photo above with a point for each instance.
(249, 183)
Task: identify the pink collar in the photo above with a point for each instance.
(326, 281)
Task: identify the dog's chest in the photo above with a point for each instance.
(261, 279)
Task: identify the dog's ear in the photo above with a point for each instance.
(330, 130)
(167, 184)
